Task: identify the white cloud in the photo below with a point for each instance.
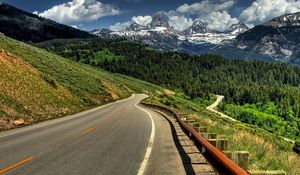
(205, 7)
(79, 11)
(263, 10)
(219, 20)
(214, 13)
(176, 20)
(142, 20)
(179, 21)
(120, 26)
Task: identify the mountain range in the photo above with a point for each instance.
(161, 35)
(275, 40)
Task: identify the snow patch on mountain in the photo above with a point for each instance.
(213, 38)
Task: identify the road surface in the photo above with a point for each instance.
(119, 138)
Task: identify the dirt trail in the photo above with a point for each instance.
(215, 104)
(218, 101)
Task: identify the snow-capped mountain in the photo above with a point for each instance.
(158, 20)
(199, 33)
(136, 27)
(275, 40)
(197, 27)
(159, 34)
(237, 28)
(278, 38)
(105, 33)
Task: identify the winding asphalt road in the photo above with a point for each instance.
(119, 138)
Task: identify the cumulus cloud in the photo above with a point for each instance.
(205, 7)
(120, 26)
(142, 20)
(179, 21)
(77, 11)
(219, 20)
(214, 13)
(263, 10)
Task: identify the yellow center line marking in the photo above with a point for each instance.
(16, 165)
(89, 130)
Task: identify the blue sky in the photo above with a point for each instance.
(118, 14)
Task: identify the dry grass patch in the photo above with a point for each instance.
(110, 90)
(264, 154)
(24, 93)
(168, 92)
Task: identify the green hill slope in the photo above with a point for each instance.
(36, 85)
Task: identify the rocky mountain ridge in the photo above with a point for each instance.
(159, 34)
(278, 38)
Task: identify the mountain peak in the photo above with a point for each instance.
(237, 28)
(197, 27)
(292, 19)
(101, 32)
(135, 26)
(158, 20)
(239, 25)
(198, 22)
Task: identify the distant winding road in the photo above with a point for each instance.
(119, 138)
(215, 104)
(218, 101)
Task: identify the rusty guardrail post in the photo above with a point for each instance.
(209, 135)
(239, 157)
(221, 144)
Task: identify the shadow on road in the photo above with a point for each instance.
(186, 160)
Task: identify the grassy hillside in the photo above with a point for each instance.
(36, 85)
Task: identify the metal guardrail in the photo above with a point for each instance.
(221, 163)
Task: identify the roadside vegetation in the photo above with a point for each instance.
(265, 115)
(267, 151)
(36, 85)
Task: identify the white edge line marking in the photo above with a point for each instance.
(150, 143)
